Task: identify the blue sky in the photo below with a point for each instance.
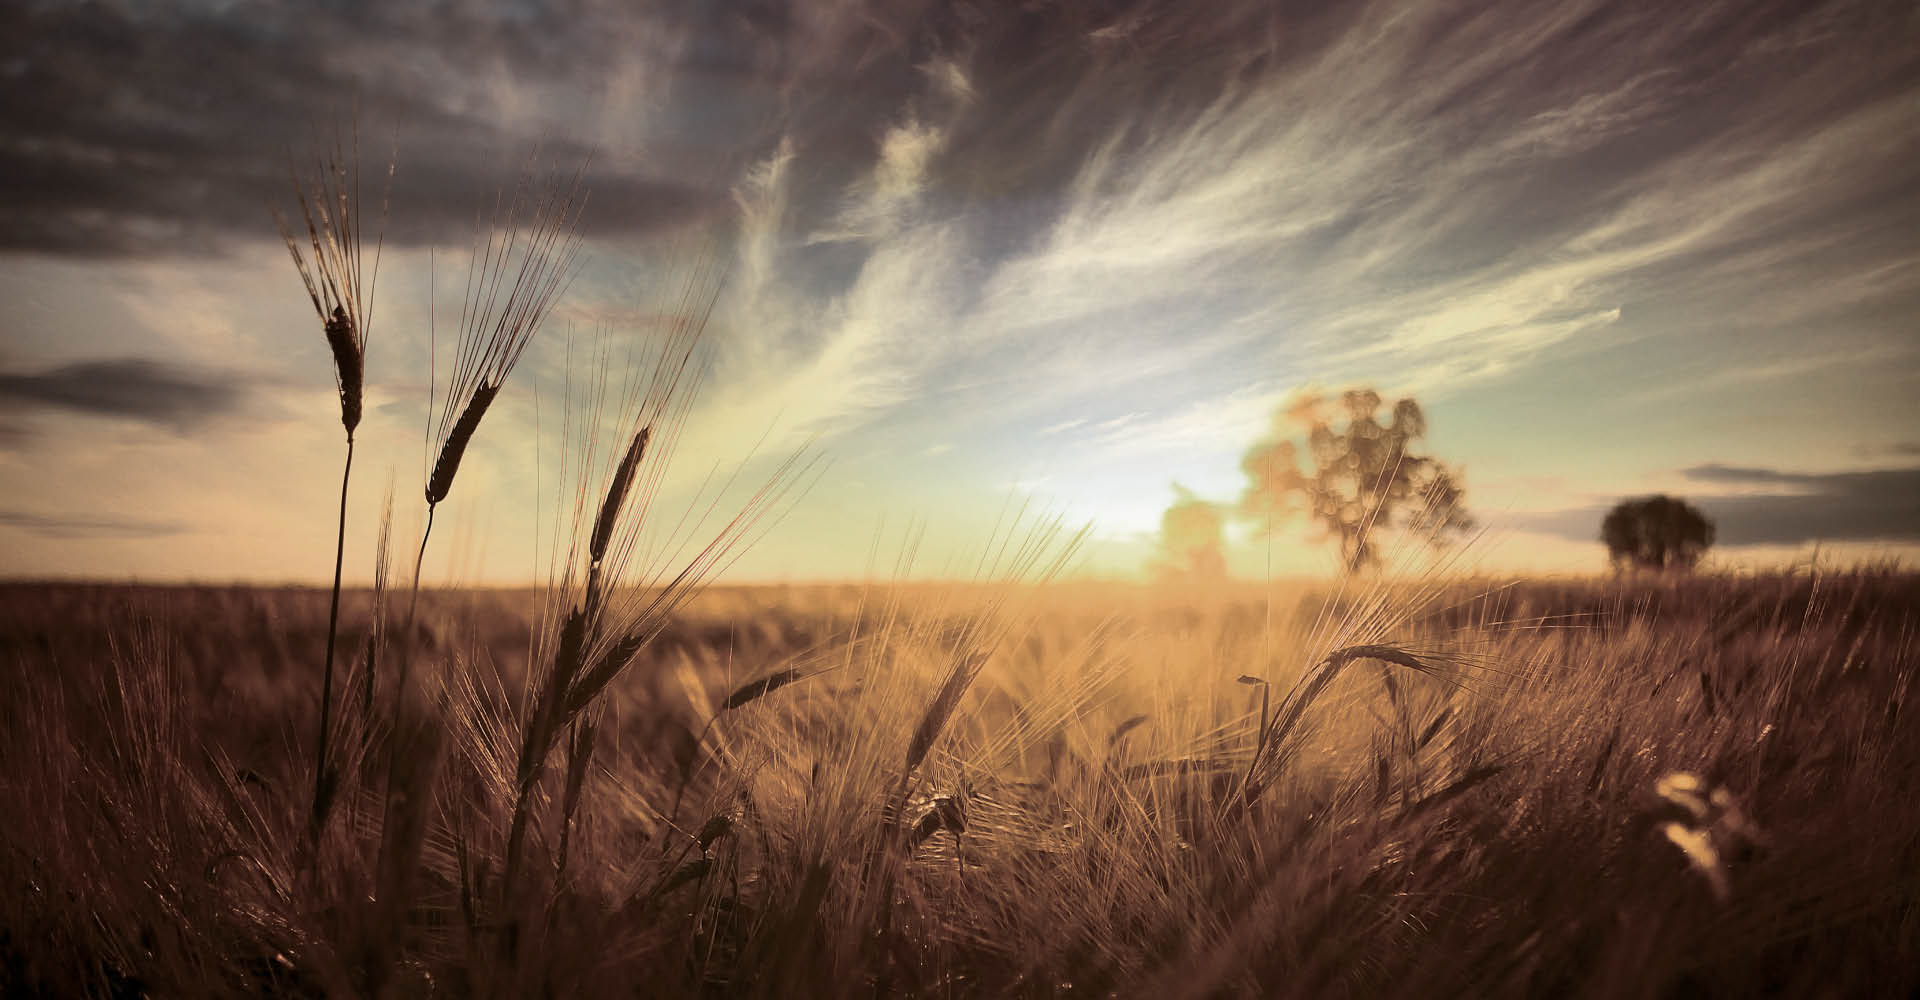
(1070, 252)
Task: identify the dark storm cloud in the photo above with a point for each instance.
(163, 128)
(138, 129)
(129, 388)
(135, 128)
(1874, 505)
(68, 526)
(1714, 472)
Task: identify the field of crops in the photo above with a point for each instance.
(1631, 787)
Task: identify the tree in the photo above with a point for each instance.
(1656, 532)
(1192, 540)
(1366, 478)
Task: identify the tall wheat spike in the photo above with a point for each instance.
(607, 622)
(341, 291)
(521, 266)
(528, 257)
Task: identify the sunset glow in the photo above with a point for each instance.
(1068, 256)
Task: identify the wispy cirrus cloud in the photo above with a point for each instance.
(1424, 200)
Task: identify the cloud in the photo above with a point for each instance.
(1788, 508)
(1714, 472)
(99, 526)
(1870, 505)
(1105, 192)
(1402, 195)
(129, 388)
(168, 129)
(815, 360)
(1111, 232)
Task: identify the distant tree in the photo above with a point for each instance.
(1366, 478)
(1656, 532)
(1192, 540)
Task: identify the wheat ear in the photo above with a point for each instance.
(616, 496)
(348, 366)
(444, 467)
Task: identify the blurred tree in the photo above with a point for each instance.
(1656, 532)
(1192, 540)
(1365, 478)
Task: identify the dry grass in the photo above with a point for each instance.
(1698, 786)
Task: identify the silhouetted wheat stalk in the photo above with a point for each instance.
(621, 608)
(516, 276)
(584, 659)
(342, 295)
(513, 281)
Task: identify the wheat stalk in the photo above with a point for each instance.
(331, 268)
(518, 272)
(617, 496)
(342, 295)
(604, 629)
(1274, 748)
(516, 277)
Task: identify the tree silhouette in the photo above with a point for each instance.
(1366, 479)
(1656, 532)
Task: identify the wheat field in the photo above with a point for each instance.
(1611, 787)
(962, 500)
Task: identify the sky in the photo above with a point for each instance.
(980, 264)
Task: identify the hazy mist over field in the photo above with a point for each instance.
(974, 254)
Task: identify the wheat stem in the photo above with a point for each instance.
(321, 797)
(413, 604)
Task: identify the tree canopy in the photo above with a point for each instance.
(1366, 478)
(1656, 532)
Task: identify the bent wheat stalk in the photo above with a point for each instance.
(1274, 748)
(331, 269)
